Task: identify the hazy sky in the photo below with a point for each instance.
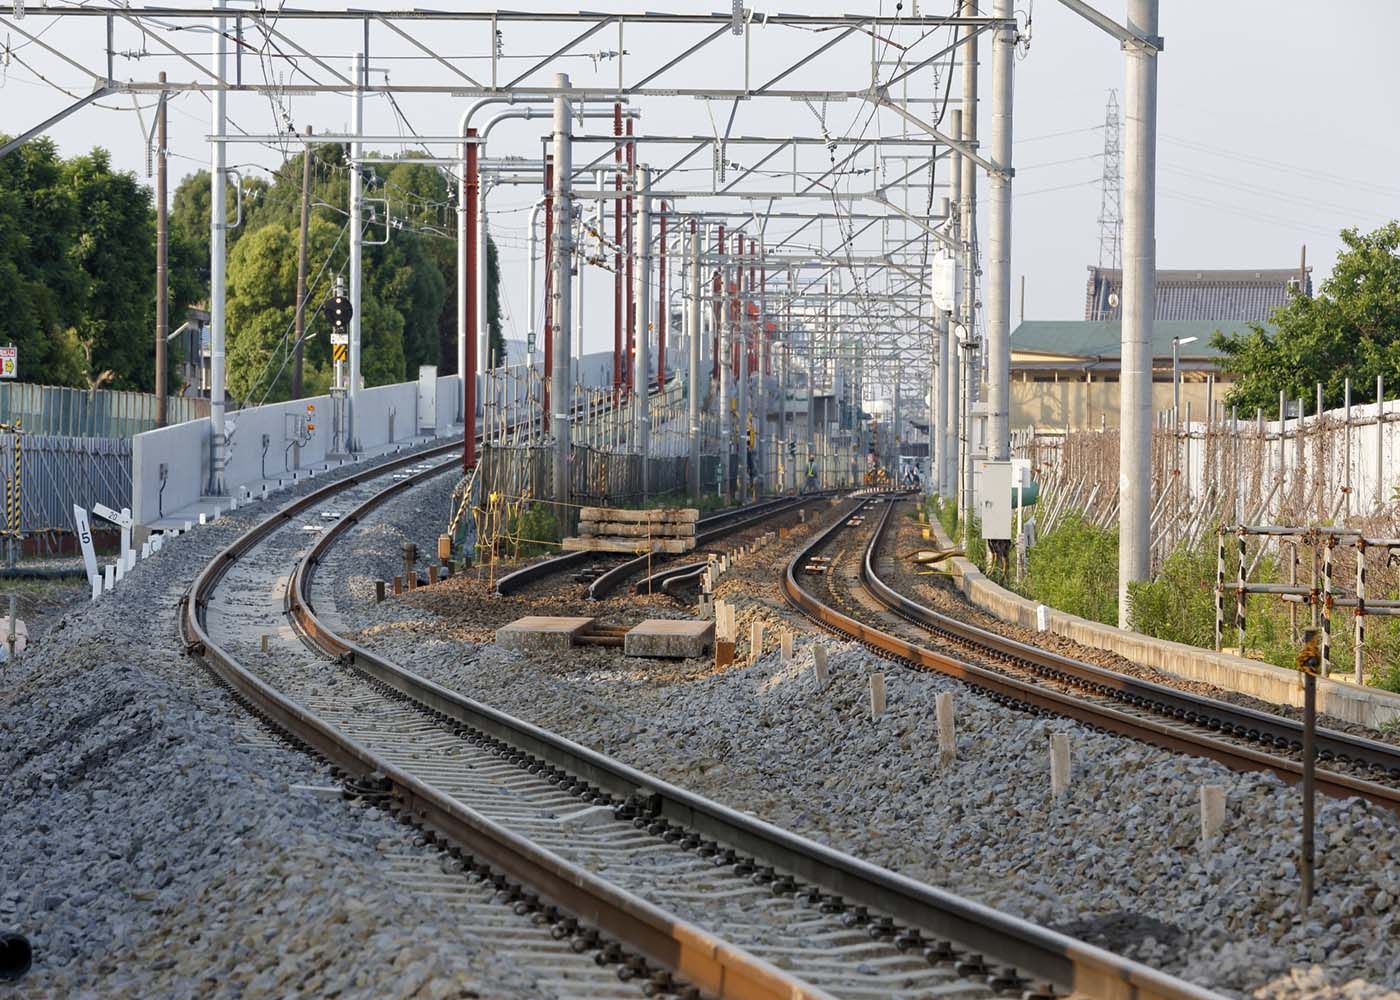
(1277, 128)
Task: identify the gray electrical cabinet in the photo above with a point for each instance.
(995, 500)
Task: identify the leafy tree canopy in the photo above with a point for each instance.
(1350, 330)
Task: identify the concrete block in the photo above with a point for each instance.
(669, 638)
(785, 645)
(755, 641)
(541, 633)
(1059, 763)
(819, 665)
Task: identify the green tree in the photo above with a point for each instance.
(1350, 330)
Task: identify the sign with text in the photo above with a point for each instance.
(9, 362)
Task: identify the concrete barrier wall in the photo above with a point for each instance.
(184, 450)
(1362, 705)
(385, 415)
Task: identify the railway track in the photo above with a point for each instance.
(612, 877)
(861, 604)
(710, 529)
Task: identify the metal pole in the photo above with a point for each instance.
(642, 303)
(693, 328)
(357, 106)
(466, 294)
(998, 345)
(1359, 645)
(1309, 766)
(1139, 299)
(1380, 442)
(162, 273)
(484, 360)
(299, 330)
(218, 179)
(560, 314)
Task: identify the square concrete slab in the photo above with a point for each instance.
(541, 633)
(669, 638)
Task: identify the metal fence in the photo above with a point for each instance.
(100, 413)
(58, 472)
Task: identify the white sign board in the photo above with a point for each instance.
(80, 523)
(122, 519)
(9, 362)
(340, 338)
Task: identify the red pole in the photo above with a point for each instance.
(717, 307)
(548, 287)
(631, 302)
(472, 189)
(661, 308)
(617, 255)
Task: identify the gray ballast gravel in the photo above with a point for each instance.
(155, 843)
(1117, 860)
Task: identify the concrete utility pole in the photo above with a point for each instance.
(1139, 304)
(299, 330)
(642, 303)
(999, 241)
(723, 351)
(692, 313)
(218, 179)
(970, 365)
(741, 334)
(560, 315)
(952, 378)
(162, 272)
(938, 471)
(467, 194)
(357, 126)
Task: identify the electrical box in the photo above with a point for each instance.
(995, 500)
(427, 399)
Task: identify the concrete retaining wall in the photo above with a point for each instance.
(1366, 706)
(184, 450)
(385, 414)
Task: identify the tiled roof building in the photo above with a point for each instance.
(1218, 296)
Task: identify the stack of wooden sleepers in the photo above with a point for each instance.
(616, 529)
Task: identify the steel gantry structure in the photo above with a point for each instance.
(799, 235)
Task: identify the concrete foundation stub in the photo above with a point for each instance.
(541, 633)
(669, 638)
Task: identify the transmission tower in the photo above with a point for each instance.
(1111, 190)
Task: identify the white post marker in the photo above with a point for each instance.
(947, 739)
(819, 664)
(122, 519)
(1042, 618)
(109, 576)
(877, 695)
(96, 588)
(786, 646)
(1212, 813)
(755, 641)
(80, 524)
(1059, 763)
(120, 569)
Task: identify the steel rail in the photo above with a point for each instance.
(1038, 698)
(717, 527)
(1235, 720)
(716, 967)
(1032, 950)
(514, 581)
